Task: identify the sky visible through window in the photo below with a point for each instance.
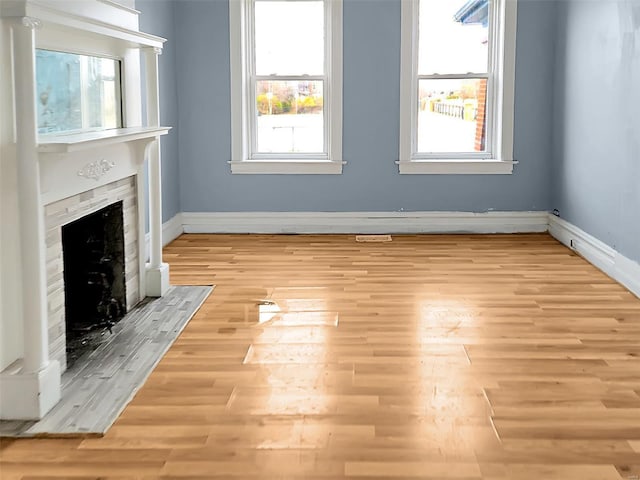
(447, 46)
(289, 38)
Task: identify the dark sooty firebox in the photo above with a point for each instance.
(94, 278)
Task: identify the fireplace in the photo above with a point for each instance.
(52, 179)
(94, 278)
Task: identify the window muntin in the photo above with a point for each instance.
(77, 92)
(454, 82)
(289, 85)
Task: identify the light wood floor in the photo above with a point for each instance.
(467, 357)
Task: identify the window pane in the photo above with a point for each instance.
(451, 116)
(289, 38)
(77, 92)
(290, 117)
(453, 36)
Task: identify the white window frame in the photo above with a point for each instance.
(243, 121)
(500, 98)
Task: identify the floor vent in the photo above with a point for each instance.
(373, 238)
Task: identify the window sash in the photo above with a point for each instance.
(256, 155)
(489, 114)
(490, 76)
(252, 110)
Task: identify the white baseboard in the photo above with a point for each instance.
(171, 229)
(365, 222)
(607, 259)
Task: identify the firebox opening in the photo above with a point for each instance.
(94, 278)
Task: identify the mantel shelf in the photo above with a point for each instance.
(64, 143)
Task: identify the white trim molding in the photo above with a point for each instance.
(121, 5)
(28, 395)
(103, 18)
(456, 167)
(280, 167)
(364, 222)
(613, 263)
(171, 229)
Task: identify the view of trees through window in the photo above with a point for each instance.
(290, 116)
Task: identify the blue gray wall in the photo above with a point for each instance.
(157, 17)
(596, 168)
(370, 181)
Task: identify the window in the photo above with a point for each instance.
(457, 84)
(77, 92)
(286, 86)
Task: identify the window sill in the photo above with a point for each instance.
(286, 167)
(456, 167)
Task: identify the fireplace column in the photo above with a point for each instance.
(157, 281)
(30, 389)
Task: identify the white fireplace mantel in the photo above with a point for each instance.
(49, 168)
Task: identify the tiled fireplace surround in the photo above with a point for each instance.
(62, 212)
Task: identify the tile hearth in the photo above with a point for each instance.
(96, 389)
